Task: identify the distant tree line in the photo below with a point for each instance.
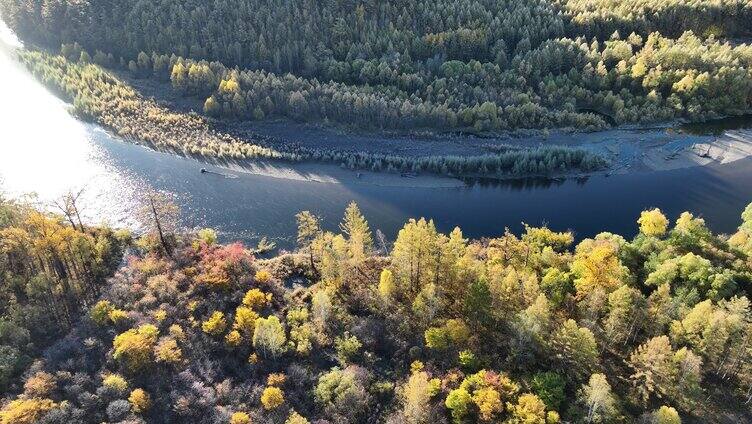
(443, 65)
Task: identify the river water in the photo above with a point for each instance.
(45, 150)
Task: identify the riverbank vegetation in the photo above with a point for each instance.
(101, 97)
(432, 328)
(444, 65)
(51, 268)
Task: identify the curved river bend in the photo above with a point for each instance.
(45, 150)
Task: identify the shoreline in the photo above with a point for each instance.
(626, 149)
(314, 172)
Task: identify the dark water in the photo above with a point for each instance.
(717, 126)
(252, 205)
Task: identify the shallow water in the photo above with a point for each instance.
(44, 150)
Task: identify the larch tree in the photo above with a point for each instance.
(309, 230)
(269, 337)
(598, 399)
(576, 348)
(359, 238)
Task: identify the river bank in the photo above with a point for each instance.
(626, 148)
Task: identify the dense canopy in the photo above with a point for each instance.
(432, 328)
(484, 65)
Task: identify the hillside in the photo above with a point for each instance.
(432, 328)
(442, 65)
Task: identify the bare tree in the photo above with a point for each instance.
(382, 242)
(160, 215)
(69, 206)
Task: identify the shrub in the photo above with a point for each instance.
(134, 347)
(347, 348)
(100, 312)
(25, 411)
(115, 382)
(272, 398)
(118, 316)
(233, 338)
(215, 325)
(117, 410)
(168, 351)
(245, 321)
(276, 379)
(342, 393)
(40, 385)
(269, 337)
(176, 332)
(549, 386)
(208, 236)
(296, 418)
(240, 418)
(140, 401)
(256, 299)
(263, 276)
(666, 415)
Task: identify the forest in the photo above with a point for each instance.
(99, 96)
(443, 65)
(535, 328)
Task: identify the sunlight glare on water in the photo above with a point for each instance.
(48, 152)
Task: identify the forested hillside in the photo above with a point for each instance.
(51, 269)
(479, 64)
(433, 328)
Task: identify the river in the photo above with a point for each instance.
(45, 150)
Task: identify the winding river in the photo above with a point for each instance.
(45, 150)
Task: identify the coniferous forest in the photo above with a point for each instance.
(530, 328)
(444, 65)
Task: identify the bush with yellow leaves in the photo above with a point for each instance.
(134, 347)
(118, 316)
(115, 382)
(25, 411)
(245, 321)
(168, 351)
(215, 325)
(176, 332)
(296, 418)
(531, 409)
(263, 276)
(240, 418)
(140, 401)
(233, 338)
(272, 398)
(100, 312)
(256, 299)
